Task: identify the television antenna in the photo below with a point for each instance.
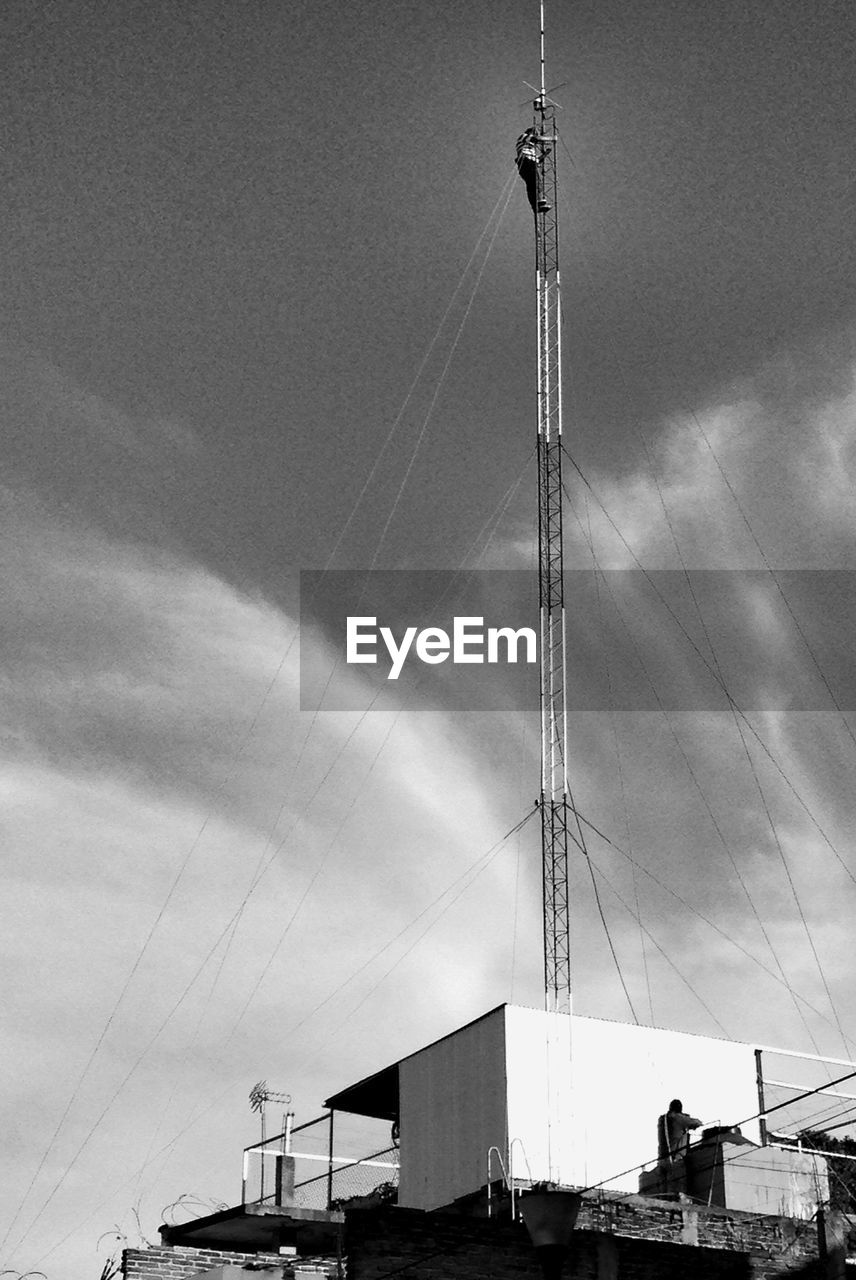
(260, 1094)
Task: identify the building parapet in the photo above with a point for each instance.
(616, 1235)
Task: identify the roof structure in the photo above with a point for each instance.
(377, 1096)
(251, 1227)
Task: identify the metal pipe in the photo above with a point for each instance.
(811, 1057)
(762, 1106)
(832, 1093)
(308, 1123)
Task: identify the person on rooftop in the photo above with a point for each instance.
(675, 1128)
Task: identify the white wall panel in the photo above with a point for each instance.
(452, 1100)
(540, 1103)
(611, 1086)
(583, 1107)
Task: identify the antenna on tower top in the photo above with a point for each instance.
(543, 93)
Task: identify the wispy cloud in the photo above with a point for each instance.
(151, 720)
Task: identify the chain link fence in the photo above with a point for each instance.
(316, 1166)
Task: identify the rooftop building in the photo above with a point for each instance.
(517, 1099)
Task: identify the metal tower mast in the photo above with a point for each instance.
(554, 776)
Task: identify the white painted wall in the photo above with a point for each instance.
(582, 1111)
(611, 1083)
(540, 1101)
(770, 1180)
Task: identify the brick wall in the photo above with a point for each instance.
(617, 1238)
(614, 1240)
(176, 1262)
(762, 1236)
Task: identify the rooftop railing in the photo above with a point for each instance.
(317, 1175)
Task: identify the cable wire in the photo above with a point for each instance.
(746, 1120)
(145, 945)
(441, 381)
(600, 573)
(264, 866)
(289, 1031)
(690, 413)
(505, 194)
(666, 957)
(485, 860)
(767, 751)
(617, 748)
(672, 532)
(700, 914)
(736, 710)
(422, 364)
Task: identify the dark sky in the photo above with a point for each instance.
(247, 220)
(230, 234)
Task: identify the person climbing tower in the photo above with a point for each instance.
(531, 149)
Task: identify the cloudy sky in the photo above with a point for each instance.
(267, 305)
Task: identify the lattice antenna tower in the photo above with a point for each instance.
(554, 774)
